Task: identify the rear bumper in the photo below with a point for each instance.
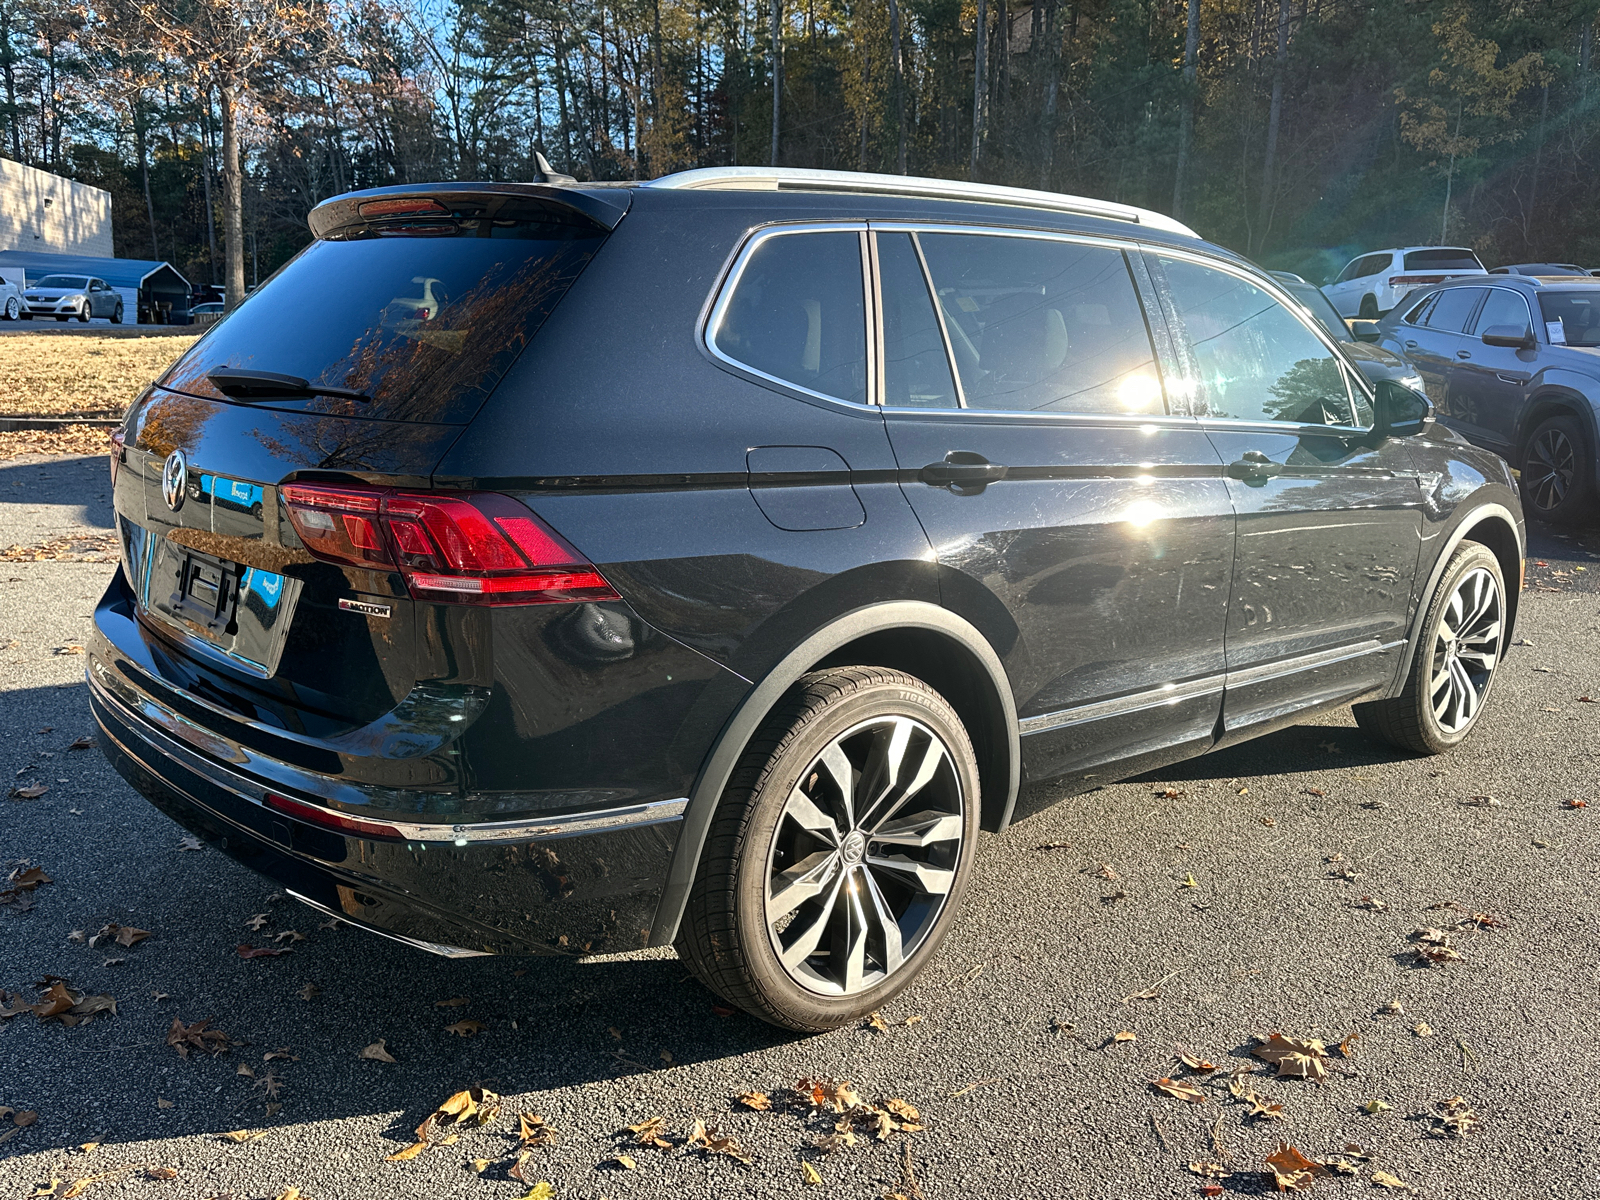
(574, 884)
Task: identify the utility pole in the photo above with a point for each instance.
(1274, 113)
(980, 55)
(777, 73)
(1191, 53)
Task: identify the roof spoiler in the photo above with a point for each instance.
(602, 208)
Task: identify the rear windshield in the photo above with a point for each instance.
(424, 319)
(1443, 260)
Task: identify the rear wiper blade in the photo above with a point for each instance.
(260, 385)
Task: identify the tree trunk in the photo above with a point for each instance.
(232, 196)
(1538, 157)
(1274, 113)
(898, 65)
(1450, 179)
(211, 212)
(979, 55)
(777, 73)
(1191, 51)
(144, 173)
(8, 58)
(1047, 127)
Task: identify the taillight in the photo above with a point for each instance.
(1398, 280)
(461, 547)
(328, 818)
(118, 440)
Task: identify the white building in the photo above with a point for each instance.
(45, 213)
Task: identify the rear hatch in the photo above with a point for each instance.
(358, 363)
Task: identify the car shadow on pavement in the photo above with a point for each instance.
(80, 484)
(1296, 749)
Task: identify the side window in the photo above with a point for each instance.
(1254, 359)
(1419, 314)
(1349, 271)
(797, 314)
(916, 370)
(1043, 325)
(1454, 306)
(1503, 307)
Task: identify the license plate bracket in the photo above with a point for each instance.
(208, 593)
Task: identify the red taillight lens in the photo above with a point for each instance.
(460, 547)
(315, 814)
(118, 440)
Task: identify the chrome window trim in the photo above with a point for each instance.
(730, 282)
(1353, 377)
(1205, 686)
(1043, 416)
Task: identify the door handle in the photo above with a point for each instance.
(1253, 467)
(1463, 353)
(1411, 345)
(1504, 378)
(962, 470)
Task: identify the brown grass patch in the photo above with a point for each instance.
(75, 439)
(80, 376)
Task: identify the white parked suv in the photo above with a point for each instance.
(1371, 285)
(11, 301)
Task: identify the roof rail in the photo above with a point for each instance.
(799, 179)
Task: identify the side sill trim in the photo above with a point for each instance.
(438, 948)
(1210, 685)
(148, 723)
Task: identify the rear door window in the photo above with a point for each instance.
(1043, 325)
(797, 314)
(1450, 312)
(423, 319)
(1253, 359)
(1442, 260)
(916, 369)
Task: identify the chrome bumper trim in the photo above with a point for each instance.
(438, 948)
(165, 736)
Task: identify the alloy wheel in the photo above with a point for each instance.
(1552, 464)
(864, 855)
(1466, 649)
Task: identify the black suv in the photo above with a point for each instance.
(560, 568)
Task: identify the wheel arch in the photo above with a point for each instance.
(1495, 526)
(922, 639)
(1553, 401)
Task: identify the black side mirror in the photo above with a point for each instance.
(1364, 331)
(1510, 336)
(1400, 411)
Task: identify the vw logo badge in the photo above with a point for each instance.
(175, 480)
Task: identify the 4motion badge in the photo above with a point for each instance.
(365, 608)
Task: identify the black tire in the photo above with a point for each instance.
(725, 937)
(116, 315)
(83, 313)
(1369, 308)
(1411, 720)
(60, 318)
(26, 315)
(1557, 481)
(13, 308)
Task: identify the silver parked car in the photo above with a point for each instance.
(81, 296)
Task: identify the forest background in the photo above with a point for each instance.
(1299, 132)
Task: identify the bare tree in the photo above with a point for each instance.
(1191, 53)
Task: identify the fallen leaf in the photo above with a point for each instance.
(1369, 902)
(1125, 1036)
(1454, 1119)
(625, 1161)
(257, 921)
(310, 992)
(810, 1175)
(160, 1173)
(409, 1152)
(1437, 956)
(1209, 1170)
(1294, 1058)
(161, 1103)
(1269, 822)
(246, 1069)
(652, 1132)
(1347, 1047)
(914, 1019)
(1287, 1160)
(1179, 1090)
(453, 1002)
(1393, 1008)
(1385, 1180)
(1189, 881)
(184, 1038)
(465, 1028)
(1105, 872)
(25, 1118)
(32, 792)
(1575, 803)
(291, 934)
(1196, 1064)
(1310, 791)
(246, 950)
(666, 1057)
(288, 1193)
(1053, 846)
(378, 1052)
(69, 648)
(190, 842)
(759, 1101)
(83, 743)
(1422, 1029)
(875, 1021)
(532, 1130)
(707, 1138)
(240, 1136)
(1170, 793)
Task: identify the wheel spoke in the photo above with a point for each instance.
(852, 948)
(801, 882)
(935, 880)
(805, 945)
(927, 766)
(804, 811)
(880, 912)
(920, 829)
(844, 778)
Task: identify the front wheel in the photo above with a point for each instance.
(116, 315)
(1453, 670)
(13, 308)
(83, 313)
(840, 851)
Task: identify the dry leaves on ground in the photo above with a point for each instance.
(757, 1101)
(473, 1107)
(652, 1132)
(21, 881)
(1292, 1171)
(1454, 1118)
(83, 546)
(199, 1036)
(465, 1029)
(246, 950)
(708, 1139)
(1179, 1090)
(1295, 1058)
(123, 935)
(58, 1002)
(377, 1051)
(1385, 1180)
(31, 791)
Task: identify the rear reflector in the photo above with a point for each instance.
(410, 207)
(1397, 280)
(458, 547)
(315, 814)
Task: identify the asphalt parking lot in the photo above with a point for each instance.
(1273, 887)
